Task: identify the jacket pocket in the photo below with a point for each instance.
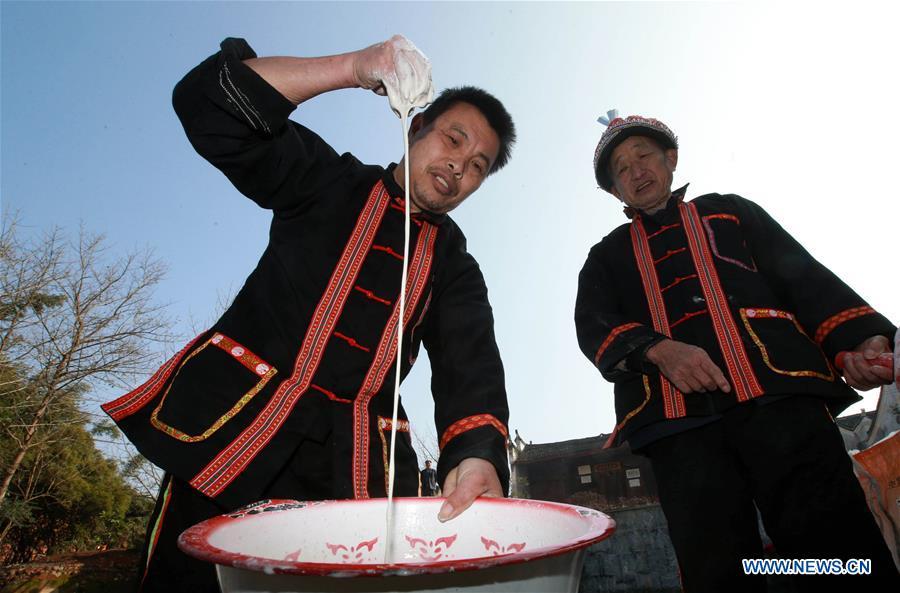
(211, 386)
(785, 347)
(726, 240)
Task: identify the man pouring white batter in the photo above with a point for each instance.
(289, 394)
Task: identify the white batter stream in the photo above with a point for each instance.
(389, 520)
(408, 87)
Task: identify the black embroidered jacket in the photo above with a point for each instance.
(719, 273)
(307, 350)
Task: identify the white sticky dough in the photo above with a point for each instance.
(409, 85)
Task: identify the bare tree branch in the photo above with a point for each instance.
(73, 318)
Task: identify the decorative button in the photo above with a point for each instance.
(237, 351)
(262, 369)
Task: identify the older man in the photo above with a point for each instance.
(289, 394)
(719, 332)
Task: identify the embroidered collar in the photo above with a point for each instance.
(397, 195)
(676, 197)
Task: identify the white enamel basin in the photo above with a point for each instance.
(499, 544)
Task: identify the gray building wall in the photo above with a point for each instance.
(637, 558)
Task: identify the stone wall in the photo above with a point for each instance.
(638, 558)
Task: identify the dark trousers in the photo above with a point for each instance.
(788, 460)
(166, 569)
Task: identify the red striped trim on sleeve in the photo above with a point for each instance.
(471, 423)
(611, 337)
(832, 322)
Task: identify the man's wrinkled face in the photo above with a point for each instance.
(449, 158)
(641, 171)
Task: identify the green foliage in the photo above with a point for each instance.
(88, 504)
(36, 302)
(72, 318)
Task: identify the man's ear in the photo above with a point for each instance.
(672, 158)
(417, 123)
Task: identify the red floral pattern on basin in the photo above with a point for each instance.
(431, 550)
(496, 549)
(361, 552)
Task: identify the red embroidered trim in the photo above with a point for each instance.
(673, 400)
(384, 425)
(385, 356)
(387, 250)
(136, 399)
(723, 216)
(232, 460)
(678, 281)
(612, 336)
(647, 395)
(329, 394)
(254, 363)
(670, 254)
(730, 341)
(663, 229)
(835, 320)
(688, 316)
(715, 248)
(350, 341)
(769, 313)
(372, 296)
(471, 423)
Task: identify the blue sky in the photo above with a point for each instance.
(792, 106)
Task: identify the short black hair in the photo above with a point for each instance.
(490, 107)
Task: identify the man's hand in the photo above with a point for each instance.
(688, 367)
(472, 478)
(861, 375)
(395, 68)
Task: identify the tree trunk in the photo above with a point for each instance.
(13, 467)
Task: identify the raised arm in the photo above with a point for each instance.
(234, 108)
(393, 67)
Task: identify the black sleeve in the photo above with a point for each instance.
(467, 381)
(830, 312)
(239, 123)
(607, 336)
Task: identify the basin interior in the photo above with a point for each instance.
(353, 532)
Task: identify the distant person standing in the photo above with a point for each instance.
(429, 480)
